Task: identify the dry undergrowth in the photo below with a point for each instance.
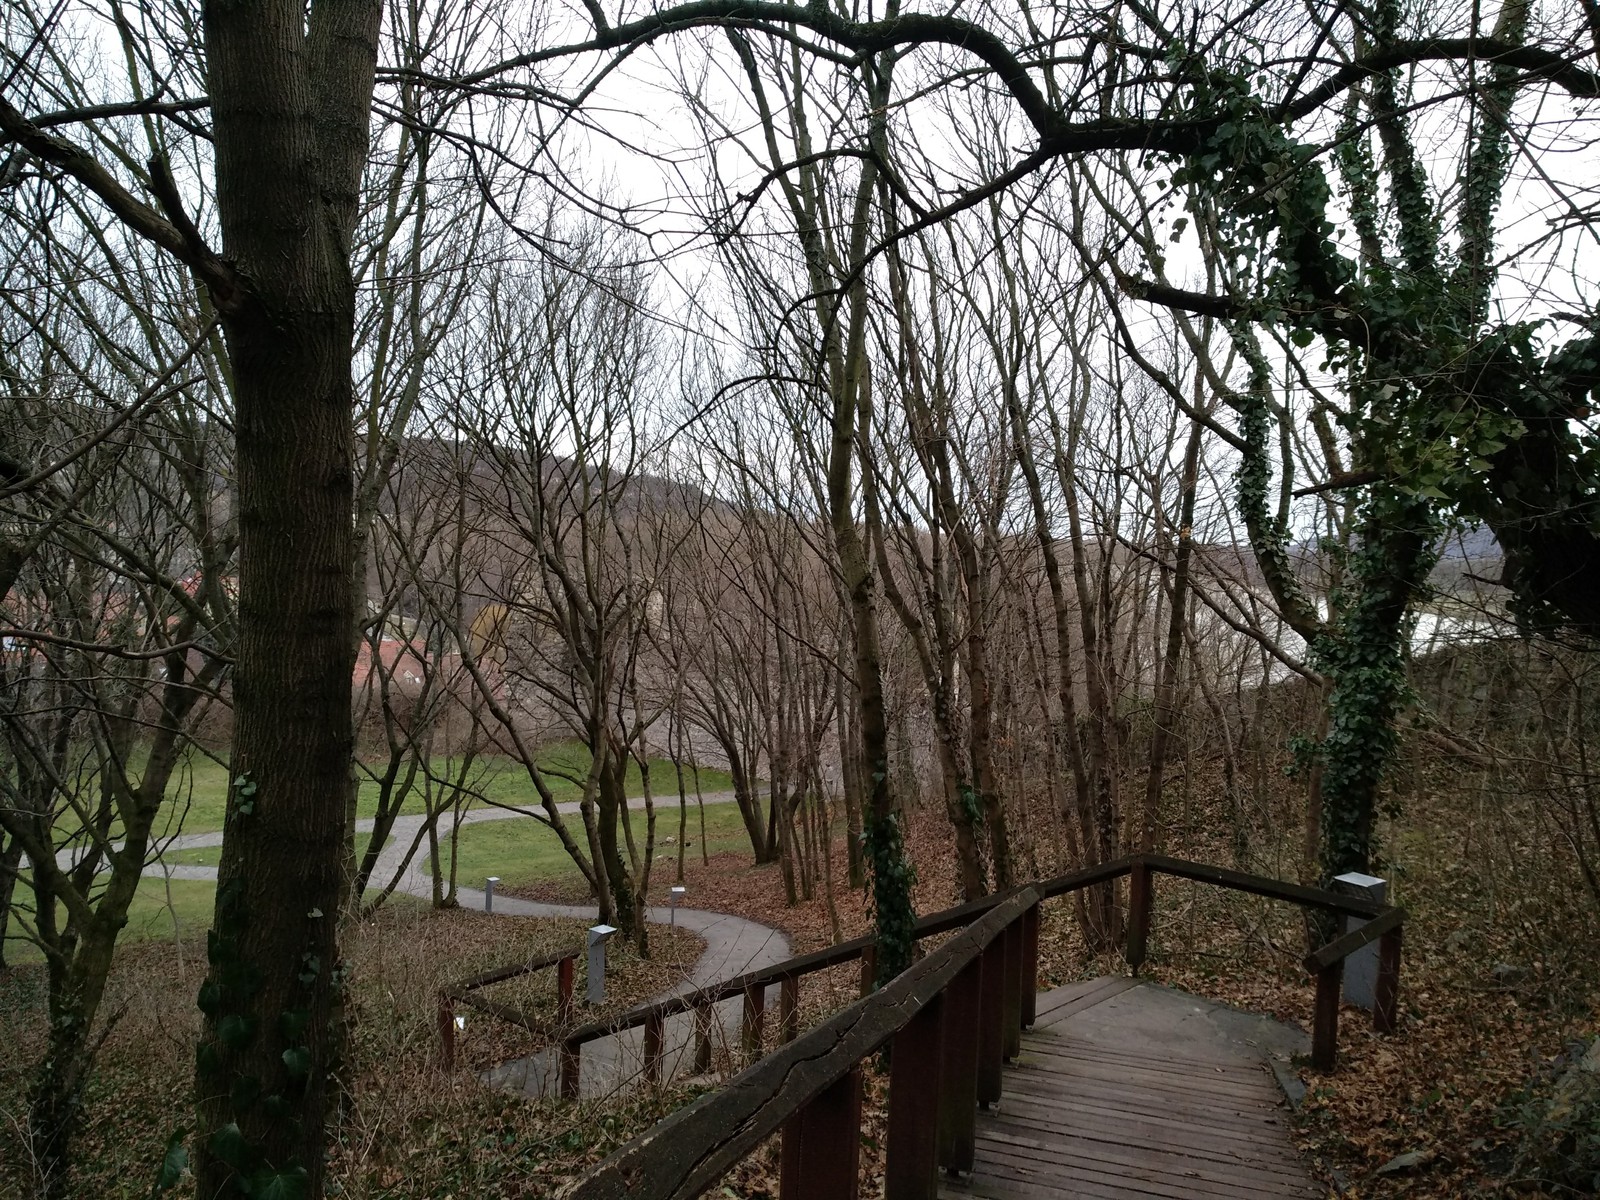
(1500, 983)
(409, 1130)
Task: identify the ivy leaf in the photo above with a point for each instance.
(228, 1144)
(278, 1185)
(297, 1059)
(173, 1164)
(234, 1031)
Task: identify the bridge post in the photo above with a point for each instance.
(1325, 1024)
(755, 1020)
(1030, 966)
(822, 1145)
(911, 1167)
(1139, 899)
(654, 1032)
(1012, 1019)
(702, 1039)
(958, 1081)
(564, 973)
(447, 1031)
(571, 1062)
(991, 1022)
(789, 1008)
(1386, 994)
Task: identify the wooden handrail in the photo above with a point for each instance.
(460, 992)
(1141, 868)
(690, 1150)
(952, 1018)
(1261, 885)
(501, 974)
(1362, 935)
(801, 965)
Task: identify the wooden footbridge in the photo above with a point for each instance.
(1104, 1089)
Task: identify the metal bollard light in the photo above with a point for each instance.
(488, 893)
(1361, 968)
(596, 993)
(678, 892)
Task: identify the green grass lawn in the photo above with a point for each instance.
(522, 853)
(197, 797)
(156, 912)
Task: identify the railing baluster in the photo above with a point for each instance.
(571, 1063)
(1030, 966)
(447, 1031)
(991, 1022)
(564, 989)
(702, 1039)
(1012, 1045)
(869, 969)
(789, 1008)
(1139, 898)
(822, 1145)
(755, 1020)
(654, 1029)
(1386, 991)
(911, 1168)
(958, 1080)
(1325, 1025)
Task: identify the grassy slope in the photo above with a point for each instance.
(522, 853)
(199, 794)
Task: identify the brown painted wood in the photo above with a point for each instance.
(653, 1030)
(821, 1154)
(958, 1092)
(690, 1150)
(1140, 897)
(789, 1009)
(1260, 885)
(1386, 991)
(570, 1064)
(564, 972)
(1030, 966)
(1325, 1022)
(1076, 881)
(702, 1039)
(447, 1032)
(1362, 935)
(755, 1022)
(911, 1168)
(869, 969)
(1011, 1044)
(991, 1023)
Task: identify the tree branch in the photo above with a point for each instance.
(15, 129)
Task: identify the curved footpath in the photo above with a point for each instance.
(734, 945)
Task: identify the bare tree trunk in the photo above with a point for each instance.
(1177, 617)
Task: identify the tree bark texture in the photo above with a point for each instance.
(290, 96)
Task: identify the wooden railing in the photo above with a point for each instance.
(461, 992)
(949, 1022)
(786, 976)
(1384, 924)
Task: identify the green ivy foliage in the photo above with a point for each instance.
(891, 877)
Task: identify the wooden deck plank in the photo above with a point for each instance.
(1144, 1130)
(1054, 1007)
(1111, 1118)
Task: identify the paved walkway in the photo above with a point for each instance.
(734, 945)
(1131, 1091)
